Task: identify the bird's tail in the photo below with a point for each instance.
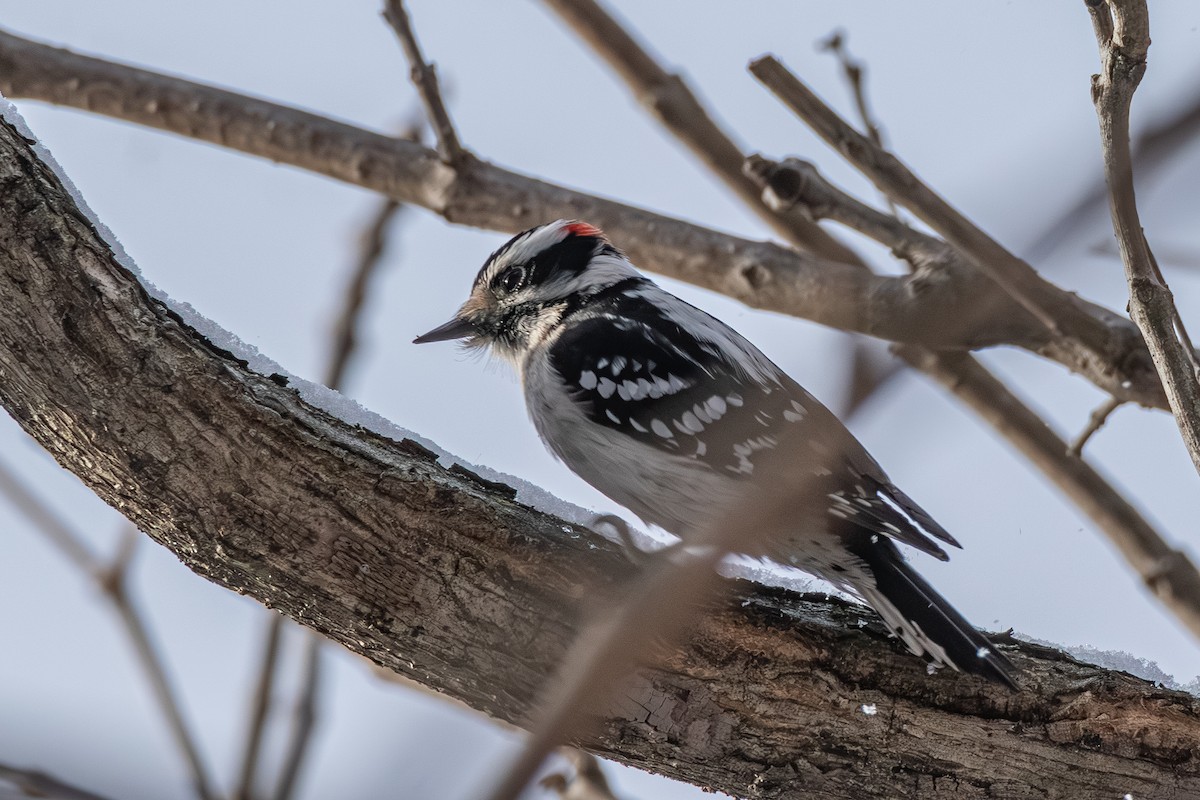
(926, 622)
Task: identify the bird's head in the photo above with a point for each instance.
(527, 286)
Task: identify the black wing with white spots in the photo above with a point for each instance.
(668, 390)
(635, 372)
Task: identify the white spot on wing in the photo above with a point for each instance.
(587, 379)
(735, 399)
(660, 427)
(691, 423)
(896, 507)
(716, 406)
(606, 388)
(608, 412)
(618, 364)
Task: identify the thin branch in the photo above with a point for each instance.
(52, 526)
(260, 702)
(424, 77)
(1167, 573)
(1111, 353)
(110, 580)
(34, 783)
(156, 672)
(345, 336)
(1152, 151)
(667, 96)
(867, 372)
(854, 73)
(1123, 33)
(304, 718)
(1095, 423)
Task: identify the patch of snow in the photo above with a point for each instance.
(1140, 667)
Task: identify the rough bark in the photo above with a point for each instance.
(447, 581)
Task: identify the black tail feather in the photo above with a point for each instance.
(926, 622)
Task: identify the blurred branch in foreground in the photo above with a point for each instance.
(586, 781)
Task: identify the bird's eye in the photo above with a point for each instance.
(511, 279)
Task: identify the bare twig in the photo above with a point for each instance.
(1167, 572)
(345, 337)
(110, 580)
(424, 76)
(49, 523)
(33, 783)
(304, 719)
(152, 663)
(1123, 33)
(1095, 423)
(667, 96)
(1152, 151)
(854, 72)
(1111, 353)
(259, 703)
(867, 373)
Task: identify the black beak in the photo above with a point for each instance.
(456, 328)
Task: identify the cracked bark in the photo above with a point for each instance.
(448, 582)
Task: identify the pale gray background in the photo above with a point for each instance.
(988, 101)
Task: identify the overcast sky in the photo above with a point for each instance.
(988, 102)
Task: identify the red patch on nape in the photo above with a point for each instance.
(584, 229)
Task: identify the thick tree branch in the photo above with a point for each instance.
(1123, 33)
(449, 582)
(763, 275)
